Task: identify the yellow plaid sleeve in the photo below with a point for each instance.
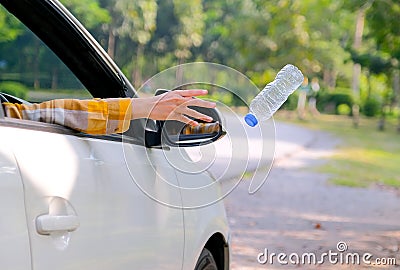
(96, 116)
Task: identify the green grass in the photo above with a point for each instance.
(366, 156)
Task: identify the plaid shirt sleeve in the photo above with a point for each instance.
(95, 116)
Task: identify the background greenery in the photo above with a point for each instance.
(365, 156)
(329, 40)
(348, 50)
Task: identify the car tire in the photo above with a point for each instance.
(206, 261)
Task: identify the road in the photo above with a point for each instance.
(296, 210)
(245, 149)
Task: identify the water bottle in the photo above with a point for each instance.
(271, 98)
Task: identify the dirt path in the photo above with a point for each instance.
(298, 211)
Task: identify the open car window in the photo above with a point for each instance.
(30, 70)
(50, 55)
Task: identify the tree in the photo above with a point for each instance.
(383, 20)
(218, 17)
(10, 28)
(256, 37)
(88, 12)
(189, 31)
(138, 23)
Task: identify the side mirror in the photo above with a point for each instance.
(174, 133)
(178, 134)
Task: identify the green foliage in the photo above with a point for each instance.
(365, 155)
(89, 12)
(138, 19)
(344, 109)
(374, 63)
(191, 26)
(291, 102)
(383, 18)
(14, 88)
(10, 28)
(255, 37)
(329, 102)
(224, 97)
(371, 107)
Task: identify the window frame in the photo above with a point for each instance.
(52, 23)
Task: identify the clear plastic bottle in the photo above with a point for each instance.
(271, 98)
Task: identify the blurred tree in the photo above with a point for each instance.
(360, 7)
(10, 28)
(383, 20)
(88, 12)
(91, 15)
(256, 37)
(138, 23)
(217, 45)
(325, 52)
(111, 26)
(381, 55)
(189, 31)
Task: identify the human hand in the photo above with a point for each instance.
(172, 105)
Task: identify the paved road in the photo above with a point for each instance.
(296, 210)
(245, 149)
(249, 152)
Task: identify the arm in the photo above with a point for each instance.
(107, 116)
(96, 116)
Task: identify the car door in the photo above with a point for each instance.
(14, 239)
(87, 198)
(85, 210)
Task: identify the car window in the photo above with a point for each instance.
(29, 69)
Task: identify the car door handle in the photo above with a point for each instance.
(46, 224)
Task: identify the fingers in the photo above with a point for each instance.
(197, 115)
(191, 92)
(188, 94)
(186, 120)
(184, 111)
(173, 105)
(200, 103)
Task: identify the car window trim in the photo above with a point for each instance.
(58, 129)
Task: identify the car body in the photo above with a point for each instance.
(74, 201)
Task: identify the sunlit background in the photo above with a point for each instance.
(349, 52)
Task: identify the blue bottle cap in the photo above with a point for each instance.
(251, 120)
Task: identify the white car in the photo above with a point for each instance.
(69, 200)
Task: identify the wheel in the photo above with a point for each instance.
(206, 261)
